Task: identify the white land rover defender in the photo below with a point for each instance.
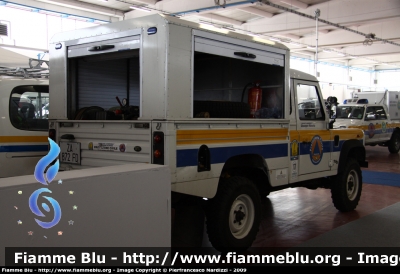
(377, 114)
(220, 109)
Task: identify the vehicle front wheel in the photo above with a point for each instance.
(233, 215)
(394, 143)
(346, 190)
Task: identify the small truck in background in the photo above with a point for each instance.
(222, 110)
(24, 127)
(377, 114)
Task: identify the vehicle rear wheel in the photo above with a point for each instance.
(233, 215)
(346, 190)
(394, 143)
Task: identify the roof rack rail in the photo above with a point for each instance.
(36, 69)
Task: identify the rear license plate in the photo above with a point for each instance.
(70, 152)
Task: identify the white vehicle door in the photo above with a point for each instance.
(314, 138)
(376, 119)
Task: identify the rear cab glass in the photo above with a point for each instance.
(29, 107)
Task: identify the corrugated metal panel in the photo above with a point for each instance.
(3, 30)
(100, 82)
(134, 84)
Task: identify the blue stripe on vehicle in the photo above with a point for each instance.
(326, 145)
(24, 148)
(305, 148)
(188, 157)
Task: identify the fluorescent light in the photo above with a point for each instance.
(253, 34)
(274, 39)
(140, 8)
(326, 50)
(284, 40)
(259, 39)
(213, 28)
(340, 54)
(228, 28)
(206, 23)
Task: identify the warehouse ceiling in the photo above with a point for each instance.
(358, 33)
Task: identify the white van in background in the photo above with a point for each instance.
(23, 124)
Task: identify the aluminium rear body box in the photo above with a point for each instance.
(161, 90)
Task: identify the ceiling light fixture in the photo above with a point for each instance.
(140, 8)
(206, 23)
(253, 34)
(295, 43)
(274, 39)
(369, 39)
(229, 28)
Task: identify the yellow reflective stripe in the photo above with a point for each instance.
(23, 139)
(377, 125)
(186, 137)
(344, 134)
(348, 133)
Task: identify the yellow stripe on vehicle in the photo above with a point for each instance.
(347, 133)
(23, 139)
(188, 137)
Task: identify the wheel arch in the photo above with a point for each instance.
(252, 166)
(354, 149)
(396, 130)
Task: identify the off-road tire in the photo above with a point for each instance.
(233, 216)
(394, 142)
(346, 190)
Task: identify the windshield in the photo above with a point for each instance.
(349, 112)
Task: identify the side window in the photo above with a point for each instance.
(376, 113)
(29, 107)
(235, 81)
(370, 113)
(380, 113)
(309, 103)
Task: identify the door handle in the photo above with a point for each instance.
(244, 54)
(100, 48)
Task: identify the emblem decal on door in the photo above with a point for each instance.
(383, 127)
(371, 130)
(316, 150)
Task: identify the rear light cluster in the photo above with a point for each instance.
(158, 148)
(52, 134)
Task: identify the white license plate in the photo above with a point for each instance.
(70, 152)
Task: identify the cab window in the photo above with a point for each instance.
(29, 107)
(375, 113)
(309, 103)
